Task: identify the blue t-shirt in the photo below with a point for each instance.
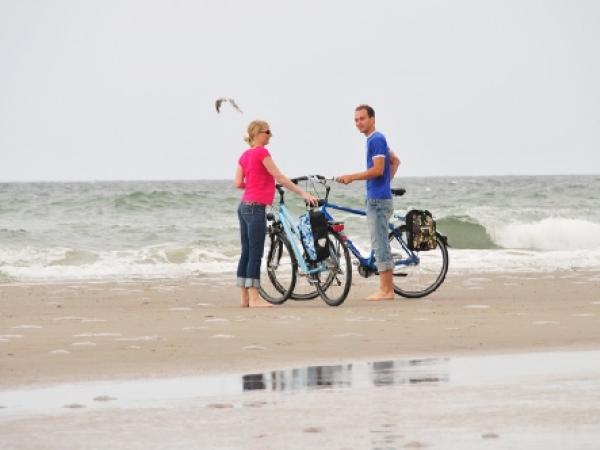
(380, 187)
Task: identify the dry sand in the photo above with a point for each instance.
(90, 331)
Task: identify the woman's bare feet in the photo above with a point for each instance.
(244, 298)
(255, 300)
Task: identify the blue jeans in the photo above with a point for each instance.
(379, 213)
(253, 227)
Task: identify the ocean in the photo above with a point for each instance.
(132, 230)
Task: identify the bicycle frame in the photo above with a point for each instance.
(369, 261)
(293, 235)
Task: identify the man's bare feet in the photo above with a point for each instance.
(381, 296)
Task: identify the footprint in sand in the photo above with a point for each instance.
(93, 320)
(256, 404)
(253, 347)
(476, 306)
(420, 319)
(139, 338)
(8, 337)
(584, 315)
(98, 335)
(195, 328)
(219, 405)
(84, 344)
(363, 319)
(104, 398)
(545, 322)
(222, 336)
(313, 430)
(58, 319)
(490, 436)
(59, 352)
(74, 406)
(23, 327)
(182, 308)
(216, 319)
(595, 303)
(204, 304)
(343, 335)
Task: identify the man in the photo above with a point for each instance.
(382, 165)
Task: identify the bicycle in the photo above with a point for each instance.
(285, 259)
(416, 273)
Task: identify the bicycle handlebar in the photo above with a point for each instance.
(323, 180)
(309, 177)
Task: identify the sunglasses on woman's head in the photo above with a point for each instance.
(266, 131)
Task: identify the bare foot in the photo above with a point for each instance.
(259, 303)
(381, 296)
(255, 300)
(244, 298)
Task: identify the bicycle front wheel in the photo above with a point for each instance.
(417, 274)
(278, 269)
(334, 282)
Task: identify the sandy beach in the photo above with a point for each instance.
(90, 331)
(496, 361)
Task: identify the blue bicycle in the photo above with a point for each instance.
(417, 273)
(290, 273)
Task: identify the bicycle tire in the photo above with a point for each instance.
(308, 292)
(413, 280)
(338, 273)
(278, 269)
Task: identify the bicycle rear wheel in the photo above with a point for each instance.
(278, 269)
(417, 274)
(334, 283)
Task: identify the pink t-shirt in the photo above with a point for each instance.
(260, 184)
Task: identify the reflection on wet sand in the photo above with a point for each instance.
(378, 373)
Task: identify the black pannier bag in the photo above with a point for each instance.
(313, 231)
(420, 230)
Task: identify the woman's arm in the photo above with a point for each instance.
(238, 181)
(285, 181)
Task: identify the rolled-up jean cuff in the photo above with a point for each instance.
(385, 266)
(248, 282)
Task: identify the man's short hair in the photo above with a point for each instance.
(370, 111)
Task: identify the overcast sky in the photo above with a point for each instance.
(98, 90)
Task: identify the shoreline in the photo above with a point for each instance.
(88, 331)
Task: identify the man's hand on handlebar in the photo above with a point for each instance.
(344, 179)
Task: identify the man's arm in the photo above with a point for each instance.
(394, 164)
(374, 172)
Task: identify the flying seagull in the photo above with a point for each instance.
(220, 101)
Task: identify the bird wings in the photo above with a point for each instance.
(219, 103)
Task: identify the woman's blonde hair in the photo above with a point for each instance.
(255, 127)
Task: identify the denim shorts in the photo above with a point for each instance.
(379, 213)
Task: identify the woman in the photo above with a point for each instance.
(256, 174)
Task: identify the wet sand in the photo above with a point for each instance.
(111, 331)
